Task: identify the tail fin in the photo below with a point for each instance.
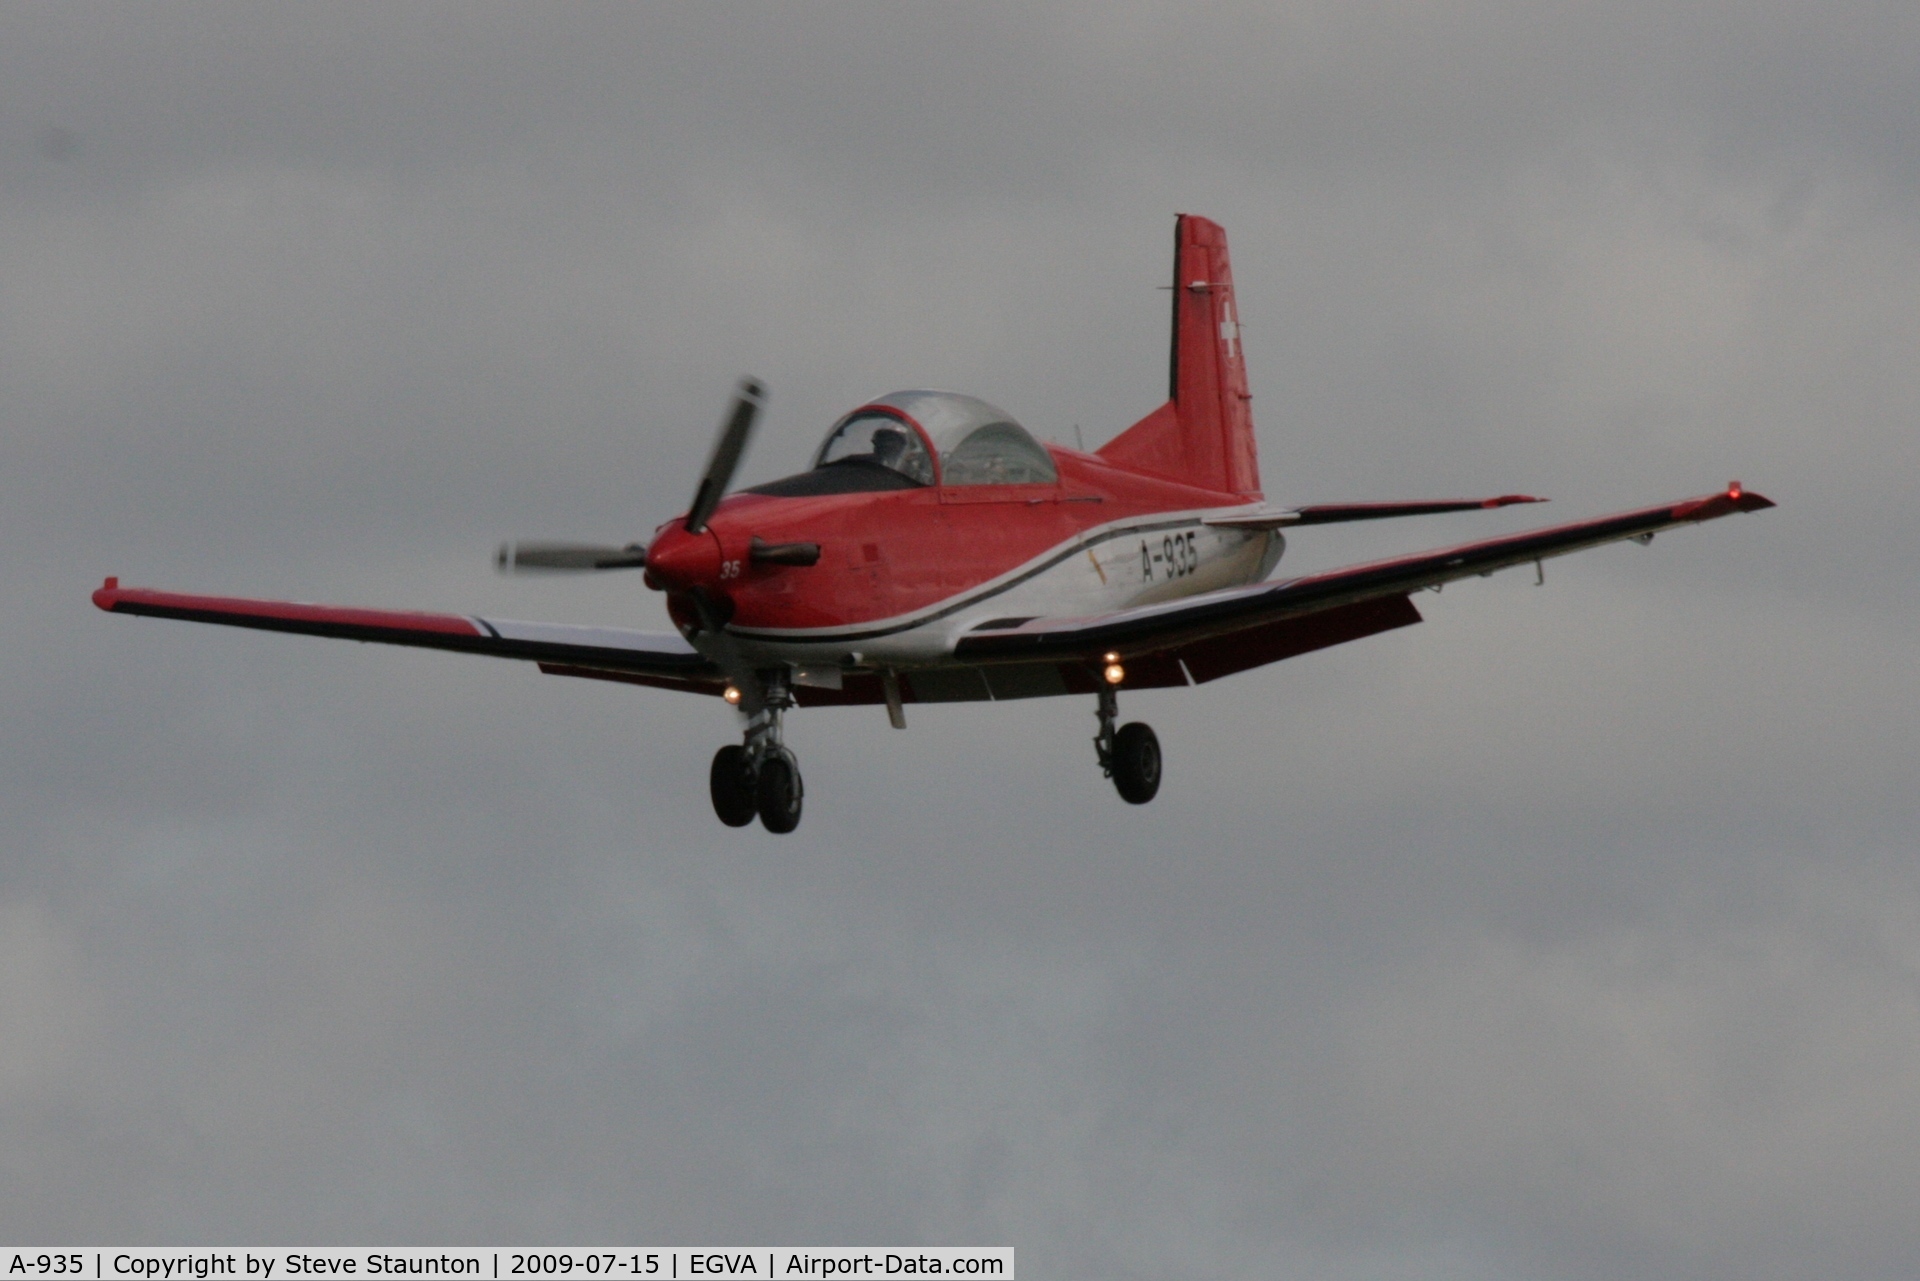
(1203, 435)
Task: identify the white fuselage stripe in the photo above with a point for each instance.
(1071, 578)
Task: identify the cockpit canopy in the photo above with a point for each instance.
(976, 444)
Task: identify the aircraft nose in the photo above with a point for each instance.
(677, 559)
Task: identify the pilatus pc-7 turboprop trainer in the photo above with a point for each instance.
(936, 552)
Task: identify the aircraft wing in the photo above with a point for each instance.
(1218, 633)
(662, 658)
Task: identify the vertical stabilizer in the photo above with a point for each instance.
(1203, 435)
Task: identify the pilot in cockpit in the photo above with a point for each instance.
(889, 446)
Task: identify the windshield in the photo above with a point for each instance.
(874, 439)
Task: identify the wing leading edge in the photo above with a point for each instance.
(1226, 631)
(652, 657)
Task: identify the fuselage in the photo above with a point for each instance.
(903, 573)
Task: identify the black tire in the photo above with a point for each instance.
(731, 783)
(1136, 763)
(780, 794)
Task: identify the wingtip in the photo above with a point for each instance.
(1734, 498)
(107, 593)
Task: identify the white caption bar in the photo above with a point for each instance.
(650, 1263)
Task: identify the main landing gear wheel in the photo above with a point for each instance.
(780, 794)
(1130, 755)
(1136, 763)
(731, 782)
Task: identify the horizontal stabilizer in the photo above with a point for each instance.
(1334, 513)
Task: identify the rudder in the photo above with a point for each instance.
(1203, 435)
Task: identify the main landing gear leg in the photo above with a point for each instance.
(760, 777)
(1130, 755)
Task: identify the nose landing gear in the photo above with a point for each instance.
(1130, 755)
(760, 778)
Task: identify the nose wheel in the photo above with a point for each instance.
(760, 778)
(1129, 755)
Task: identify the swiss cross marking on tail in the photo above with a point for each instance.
(1229, 329)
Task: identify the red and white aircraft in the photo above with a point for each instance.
(936, 552)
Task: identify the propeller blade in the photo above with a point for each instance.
(514, 558)
(717, 644)
(728, 449)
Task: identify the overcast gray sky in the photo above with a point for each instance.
(1574, 934)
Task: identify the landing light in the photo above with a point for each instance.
(1114, 673)
(732, 695)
